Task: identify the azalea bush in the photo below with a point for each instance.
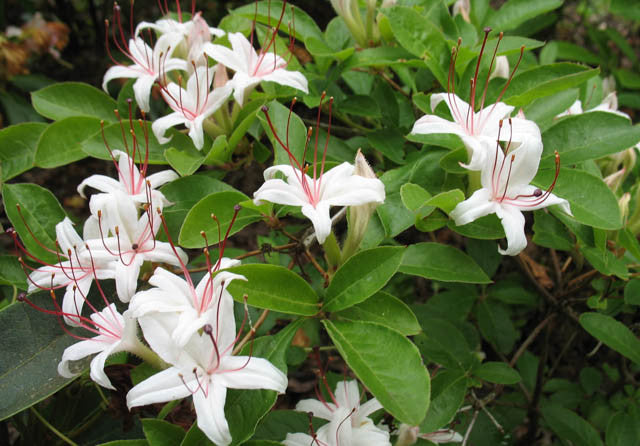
(417, 225)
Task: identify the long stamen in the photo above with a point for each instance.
(472, 102)
(506, 184)
(486, 82)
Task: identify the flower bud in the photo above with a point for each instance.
(407, 435)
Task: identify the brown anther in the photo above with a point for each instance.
(537, 192)
(134, 246)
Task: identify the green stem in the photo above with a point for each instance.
(148, 356)
(474, 181)
(212, 129)
(62, 436)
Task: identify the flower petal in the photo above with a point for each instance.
(243, 372)
(513, 224)
(476, 206)
(210, 411)
(320, 218)
(167, 385)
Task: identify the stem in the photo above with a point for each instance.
(252, 332)
(60, 435)
(148, 356)
(474, 181)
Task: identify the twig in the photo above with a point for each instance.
(251, 332)
(557, 269)
(467, 434)
(317, 266)
(60, 435)
(532, 336)
(484, 409)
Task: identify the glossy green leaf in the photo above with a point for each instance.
(446, 201)
(278, 423)
(589, 136)
(305, 26)
(18, 144)
(162, 433)
(11, 272)
(488, 227)
(275, 288)
(279, 115)
(546, 80)
(184, 193)
(549, 232)
(442, 342)
(413, 196)
(448, 389)
(441, 262)
(220, 151)
(569, 426)
(592, 202)
(185, 162)
(61, 142)
(95, 145)
(379, 57)
(496, 325)
(389, 142)
(319, 48)
(632, 292)
(245, 408)
(361, 276)
(220, 204)
(497, 373)
(613, 334)
(622, 430)
(385, 309)
(42, 212)
(61, 100)
(29, 372)
(394, 216)
(515, 12)
(385, 361)
(195, 437)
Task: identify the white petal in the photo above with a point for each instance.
(78, 351)
(127, 278)
(513, 224)
(210, 411)
(163, 386)
(225, 56)
(158, 179)
(298, 439)
(101, 183)
(119, 71)
(142, 91)
(320, 218)
(369, 407)
(429, 124)
(73, 300)
(293, 79)
(97, 369)
(348, 395)
(316, 407)
(243, 372)
(280, 192)
(161, 125)
(476, 206)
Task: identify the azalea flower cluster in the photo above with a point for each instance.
(190, 330)
(192, 72)
(504, 150)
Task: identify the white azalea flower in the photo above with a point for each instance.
(115, 333)
(252, 68)
(132, 242)
(149, 65)
(336, 187)
(408, 435)
(131, 181)
(184, 29)
(609, 104)
(75, 270)
(191, 306)
(476, 128)
(191, 106)
(204, 368)
(506, 192)
(349, 422)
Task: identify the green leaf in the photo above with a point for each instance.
(220, 204)
(40, 210)
(319, 48)
(592, 202)
(61, 142)
(443, 343)
(305, 26)
(387, 363)
(551, 233)
(275, 288)
(279, 115)
(162, 433)
(497, 373)
(220, 151)
(394, 216)
(613, 334)
(29, 372)
(628, 79)
(245, 408)
(62, 100)
(389, 142)
(361, 276)
(588, 136)
(632, 292)
(385, 309)
(488, 227)
(546, 80)
(18, 145)
(448, 389)
(496, 325)
(95, 146)
(446, 201)
(413, 196)
(569, 426)
(622, 430)
(126, 443)
(515, 12)
(185, 162)
(195, 437)
(11, 272)
(381, 56)
(441, 262)
(184, 193)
